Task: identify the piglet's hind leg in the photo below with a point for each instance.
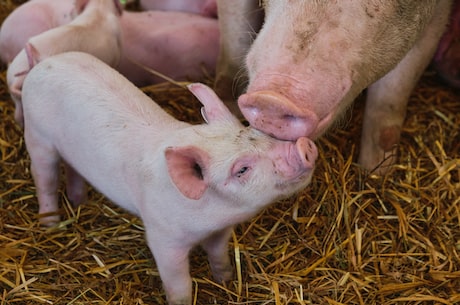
(45, 172)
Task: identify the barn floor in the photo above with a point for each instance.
(351, 237)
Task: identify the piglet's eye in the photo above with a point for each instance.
(242, 171)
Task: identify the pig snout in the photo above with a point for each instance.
(296, 160)
(307, 151)
(277, 116)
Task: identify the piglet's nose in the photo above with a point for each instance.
(276, 115)
(307, 151)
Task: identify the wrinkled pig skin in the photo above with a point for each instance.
(311, 59)
(207, 8)
(447, 58)
(189, 183)
(30, 19)
(95, 30)
(182, 46)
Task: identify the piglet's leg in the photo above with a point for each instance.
(173, 265)
(16, 97)
(45, 172)
(75, 186)
(216, 246)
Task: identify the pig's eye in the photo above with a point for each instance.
(242, 171)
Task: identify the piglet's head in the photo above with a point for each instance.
(236, 165)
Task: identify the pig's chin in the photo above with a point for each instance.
(288, 188)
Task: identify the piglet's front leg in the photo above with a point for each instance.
(172, 261)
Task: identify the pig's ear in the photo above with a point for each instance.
(33, 56)
(187, 167)
(213, 107)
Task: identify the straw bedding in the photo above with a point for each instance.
(351, 237)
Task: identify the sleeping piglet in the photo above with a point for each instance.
(95, 30)
(189, 183)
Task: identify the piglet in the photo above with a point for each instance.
(189, 183)
(179, 45)
(30, 19)
(95, 30)
(207, 8)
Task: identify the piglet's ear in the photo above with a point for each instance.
(214, 108)
(187, 167)
(33, 55)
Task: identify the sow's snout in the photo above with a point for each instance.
(277, 116)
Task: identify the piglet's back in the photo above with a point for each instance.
(80, 87)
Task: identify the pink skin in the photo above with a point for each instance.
(447, 58)
(207, 8)
(179, 45)
(96, 30)
(190, 184)
(30, 19)
(311, 59)
(185, 46)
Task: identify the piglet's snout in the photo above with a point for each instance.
(296, 160)
(307, 152)
(276, 115)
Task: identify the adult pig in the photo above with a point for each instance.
(30, 19)
(206, 8)
(182, 46)
(189, 183)
(95, 30)
(312, 58)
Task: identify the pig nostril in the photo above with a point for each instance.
(289, 117)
